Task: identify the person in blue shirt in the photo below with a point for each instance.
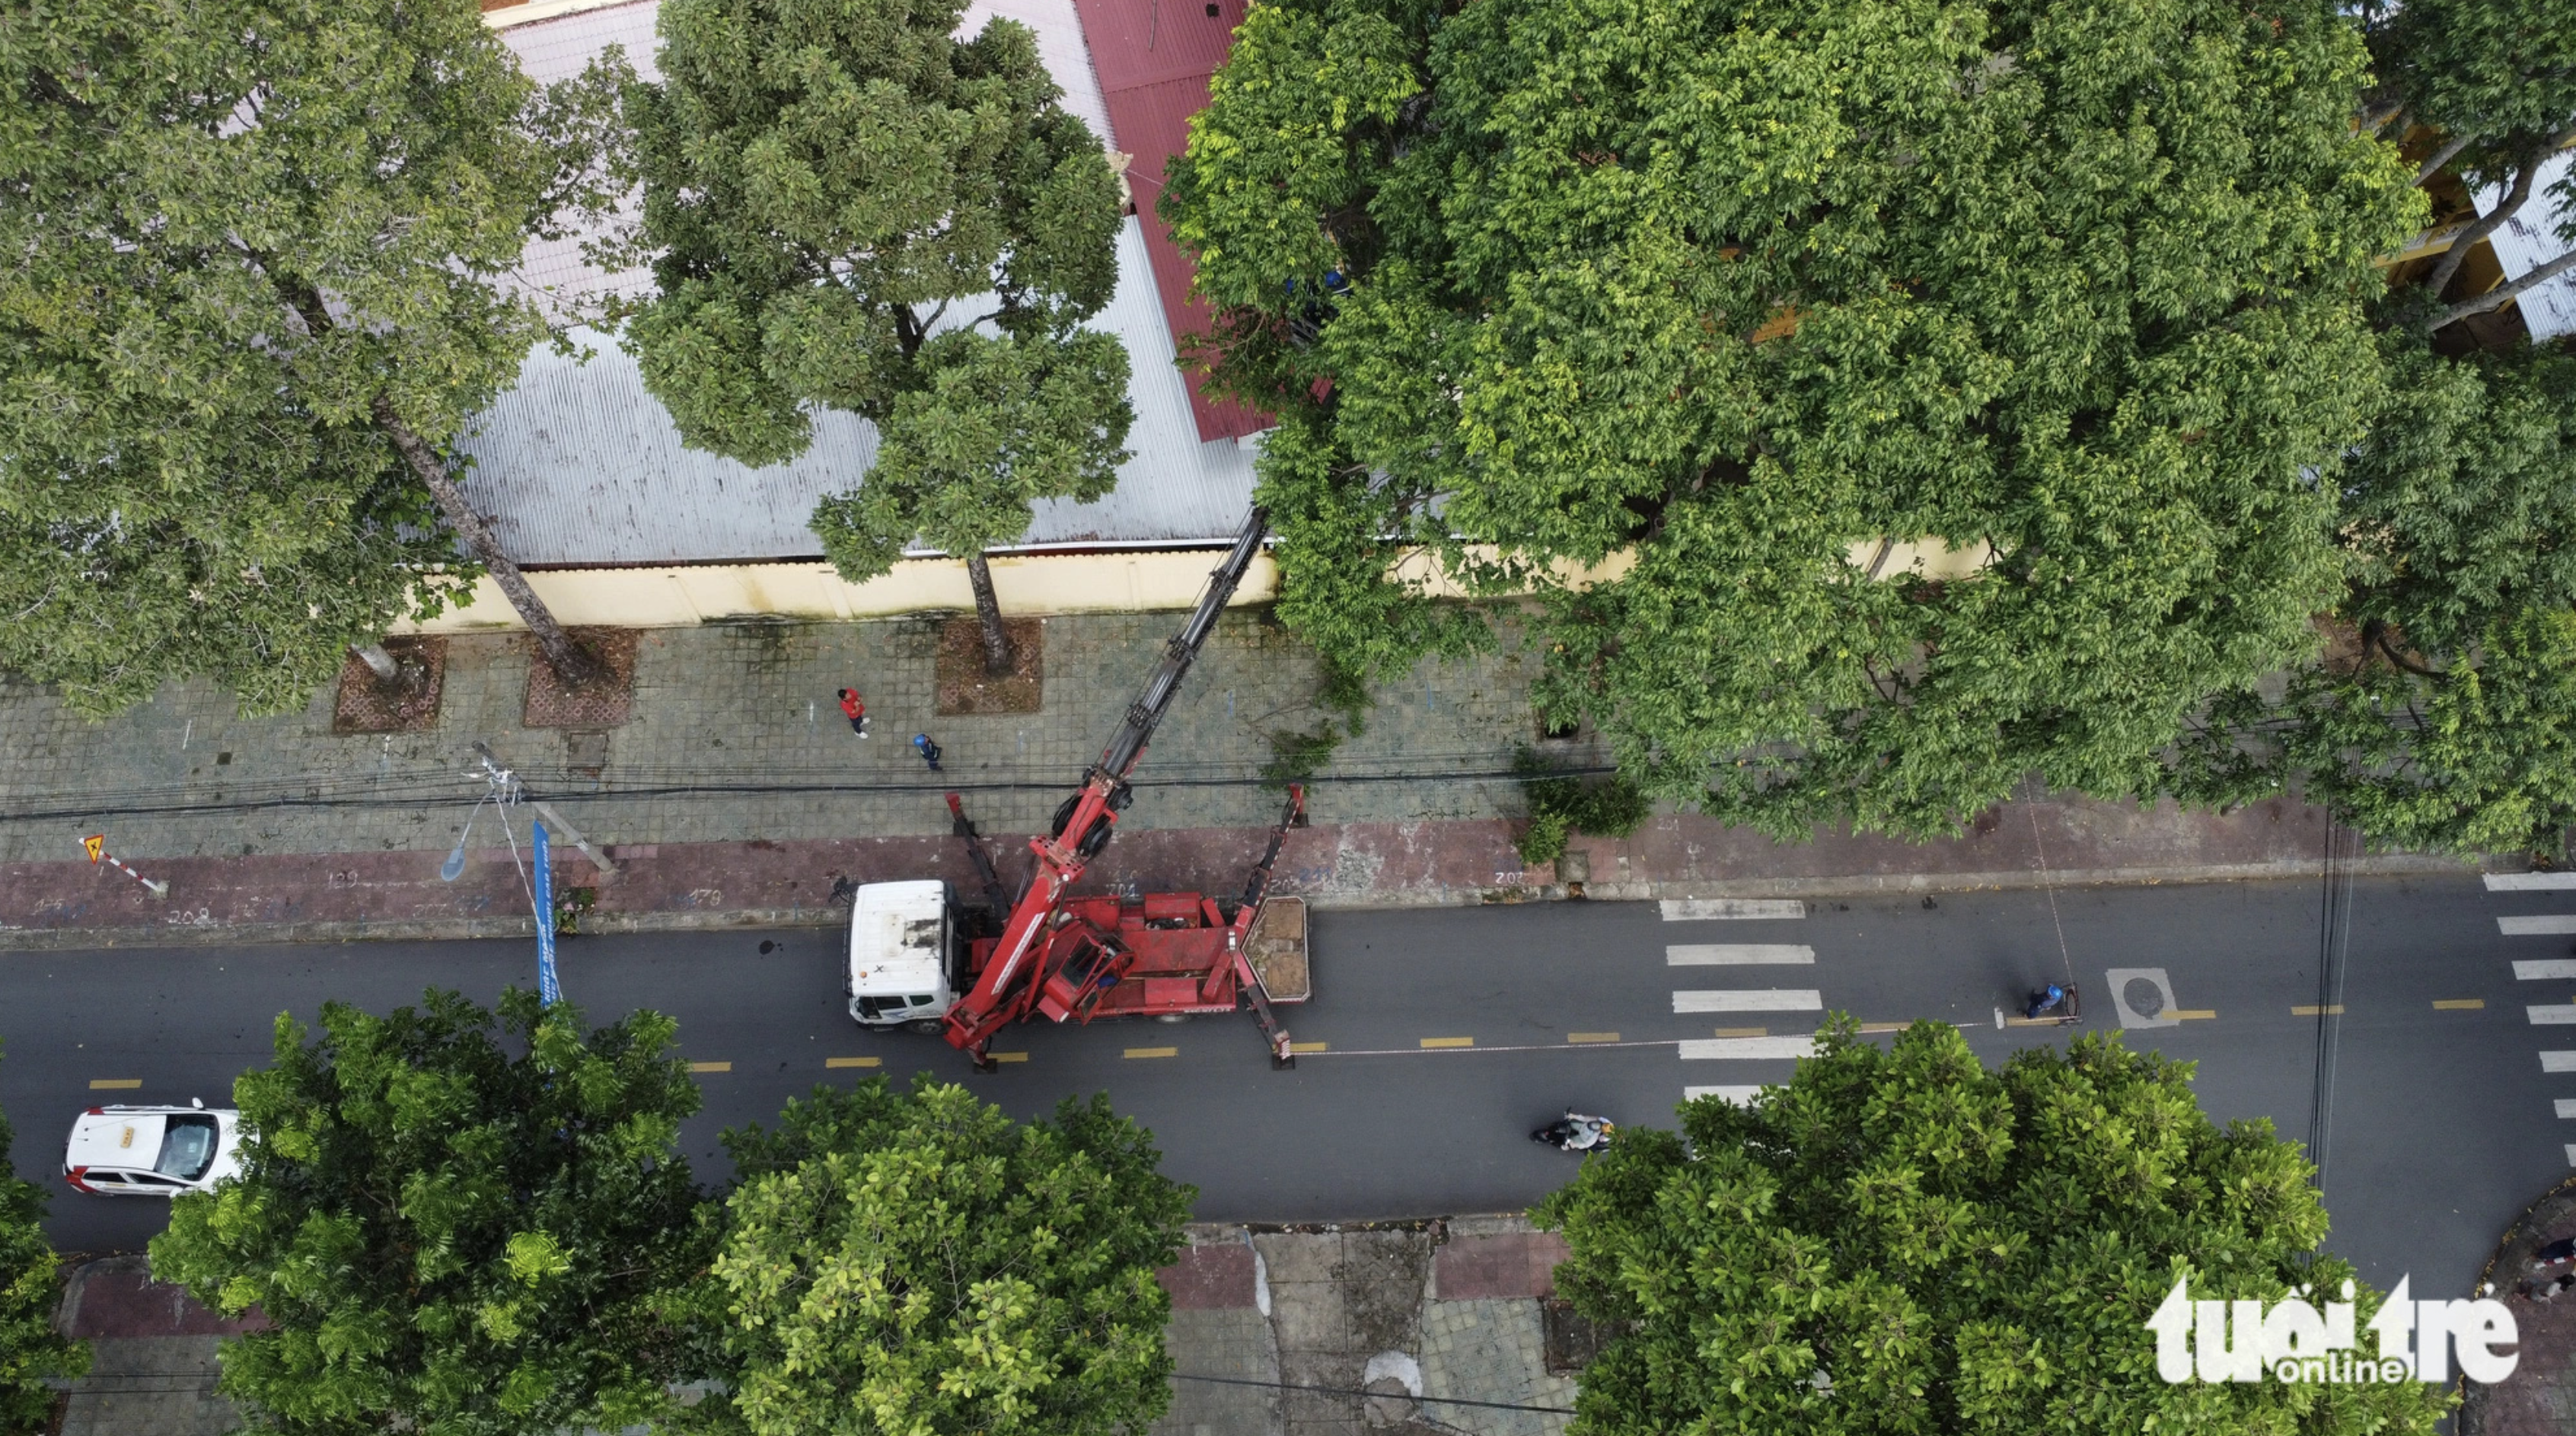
(2042, 1001)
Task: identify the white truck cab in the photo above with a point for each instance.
(902, 950)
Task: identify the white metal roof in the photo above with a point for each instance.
(580, 466)
(2529, 240)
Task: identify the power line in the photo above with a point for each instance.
(316, 797)
(1383, 1395)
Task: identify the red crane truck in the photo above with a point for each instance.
(1165, 955)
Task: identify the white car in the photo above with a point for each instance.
(152, 1151)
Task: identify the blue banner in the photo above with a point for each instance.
(549, 991)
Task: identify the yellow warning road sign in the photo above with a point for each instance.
(96, 845)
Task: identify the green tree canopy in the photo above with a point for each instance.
(916, 1262)
(2495, 82)
(452, 1230)
(847, 206)
(1742, 289)
(31, 1351)
(1954, 1250)
(259, 251)
(2448, 717)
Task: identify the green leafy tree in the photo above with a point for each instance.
(1731, 292)
(846, 206)
(258, 290)
(2448, 718)
(1562, 805)
(2496, 81)
(31, 1351)
(917, 1262)
(452, 1230)
(1900, 1241)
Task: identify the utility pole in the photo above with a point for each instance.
(548, 811)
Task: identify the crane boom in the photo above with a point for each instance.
(1146, 713)
(1010, 982)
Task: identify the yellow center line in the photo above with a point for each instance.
(2193, 1014)
(1885, 1026)
(853, 1061)
(1448, 1041)
(1592, 1037)
(1744, 1032)
(2312, 1011)
(711, 1067)
(1309, 1046)
(114, 1084)
(1153, 1052)
(2459, 1004)
(1008, 1056)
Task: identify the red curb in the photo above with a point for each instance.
(766, 883)
(116, 1297)
(1210, 1278)
(1513, 1264)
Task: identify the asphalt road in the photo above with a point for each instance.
(2442, 1119)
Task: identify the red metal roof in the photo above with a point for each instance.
(1153, 58)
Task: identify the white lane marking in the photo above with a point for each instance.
(1761, 999)
(1713, 909)
(2546, 967)
(2562, 1016)
(2545, 925)
(2529, 882)
(2558, 1061)
(1707, 1048)
(2566, 1108)
(2571, 1154)
(1738, 954)
(1740, 1096)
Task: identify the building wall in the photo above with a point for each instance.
(1025, 585)
(660, 597)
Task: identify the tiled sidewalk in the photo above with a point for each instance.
(1443, 1308)
(735, 737)
(736, 795)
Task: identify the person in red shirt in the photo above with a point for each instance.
(855, 711)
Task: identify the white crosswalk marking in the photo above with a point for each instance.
(2567, 1107)
(2558, 1061)
(1715, 909)
(1738, 954)
(1725, 1048)
(2545, 967)
(2529, 882)
(2546, 925)
(2559, 1016)
(1751, 999)
(1740, 1096)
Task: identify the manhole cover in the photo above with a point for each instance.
(2143, 997)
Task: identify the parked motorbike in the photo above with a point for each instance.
(1575, 1132)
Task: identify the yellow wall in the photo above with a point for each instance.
(1036, 584)
(1027, 585)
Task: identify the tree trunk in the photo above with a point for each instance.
(2495, 298)
(2523, 170)
(2433, 163)
(378, 661)
(988, 612)
(565, 657)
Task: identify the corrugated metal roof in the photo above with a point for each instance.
(2530, 240)
(579, 466)
(1153, 59)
